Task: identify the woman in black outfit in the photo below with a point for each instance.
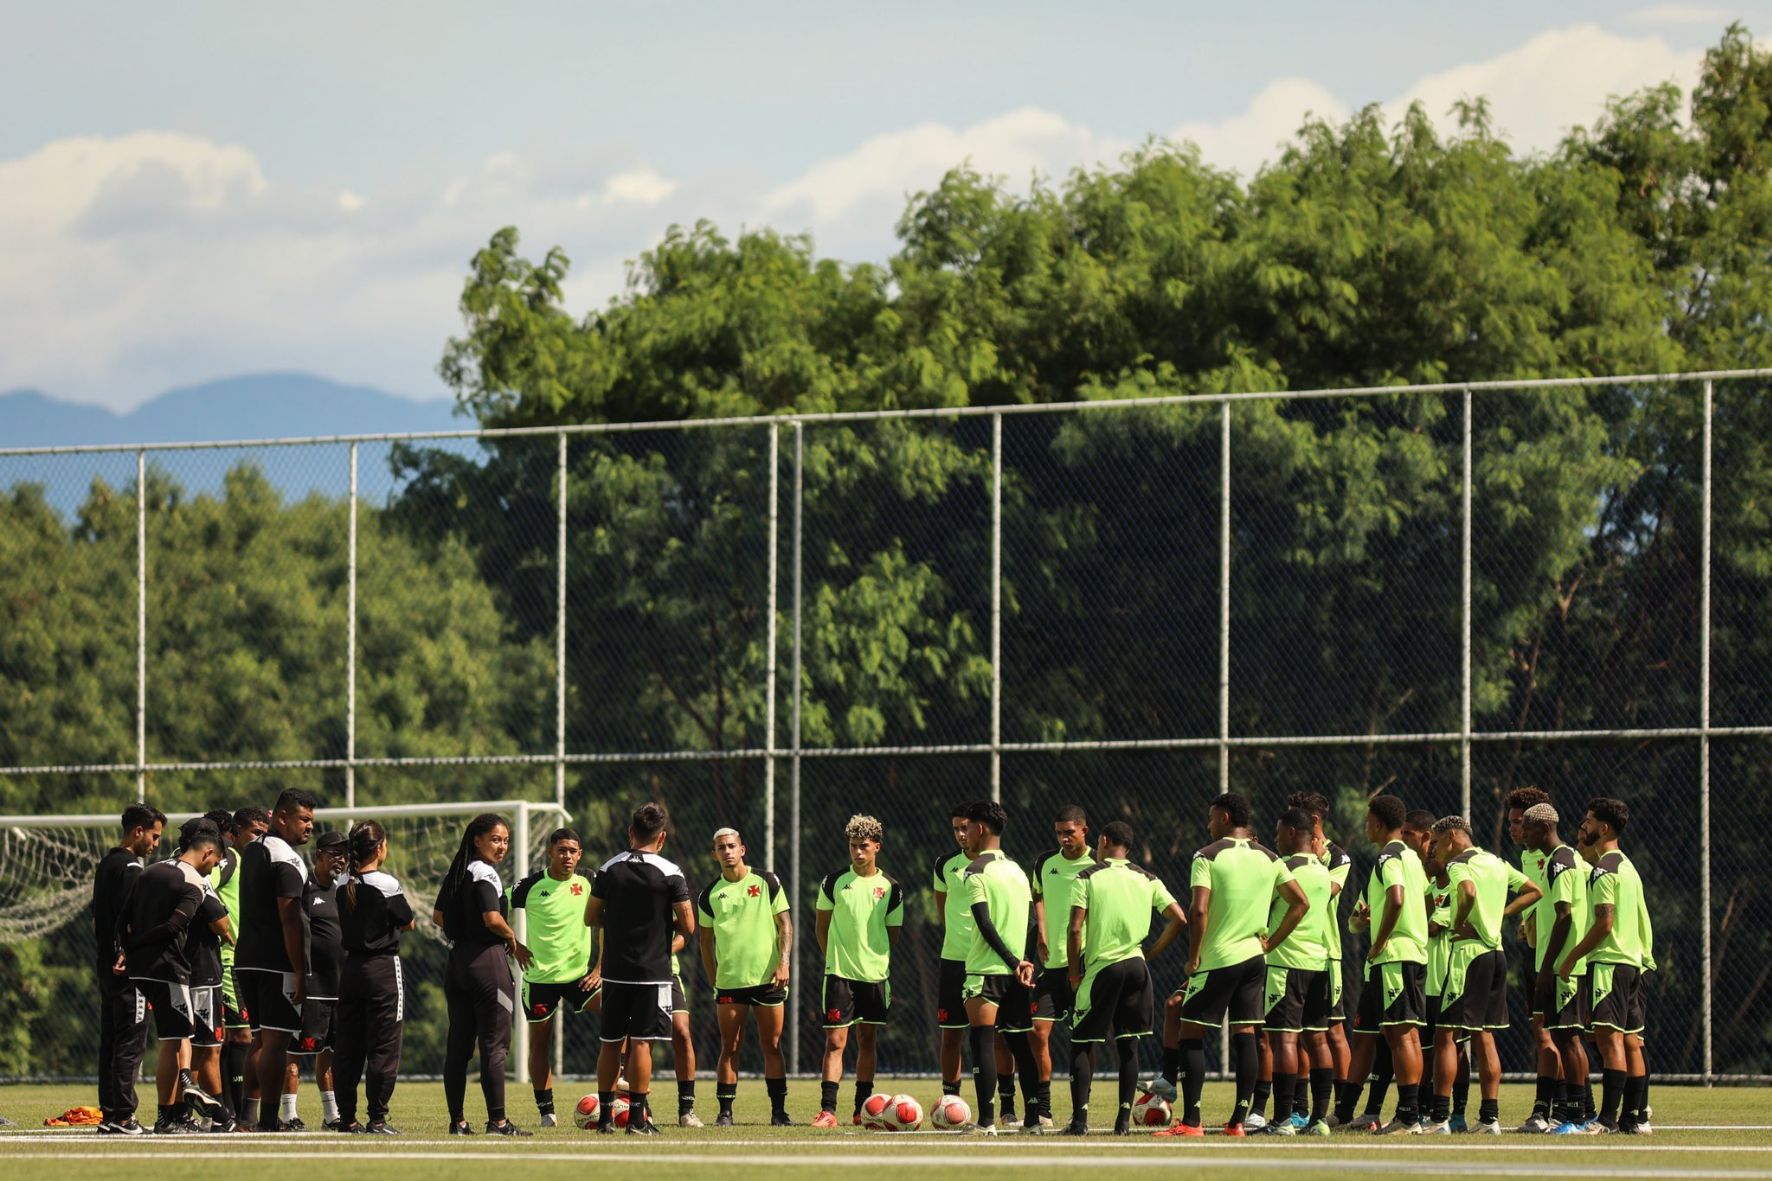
(478, 985)
(371, 994)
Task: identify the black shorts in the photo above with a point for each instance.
(1015, 1004)
(1392, 994)
(1297, 1000)
(318, 1020)
(541, 1000)
(268, 998)
(233, 1013)
(1565, 1004)
(761, 996)
(1115, 1000)
(1211, 994)
(855, 1002)
(679, 998)
(950, 995)
(206, 1015)
(1617, 997)
(1474, 996)
(1337, 992)
(172, 1007)
(640, 1011)
(1053, 998)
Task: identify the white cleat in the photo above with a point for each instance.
(980, 1129)
(1537, 1125)
(1364, 1122)
(549, 1120)
(1254, 1122)
(1488, 1127)
(1436, 1127)
(689, 1120)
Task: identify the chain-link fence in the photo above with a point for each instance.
(1445, 592)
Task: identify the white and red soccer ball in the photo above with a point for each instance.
(891, 1113)
(950, 1114)
(589, 1112)
(1150, 1111)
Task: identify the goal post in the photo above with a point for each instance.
(47, 947)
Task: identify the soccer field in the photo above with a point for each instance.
(1700, 1133)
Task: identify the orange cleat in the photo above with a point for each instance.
(1180, 1129)
(1234, 1130)
(825, 1119)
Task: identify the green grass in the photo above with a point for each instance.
(753, 1150)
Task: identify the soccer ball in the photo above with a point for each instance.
(903, 1114)
(873, 1112)
(950, 1113)
(1150, 1111)
(618, 1112)
(585, 1114)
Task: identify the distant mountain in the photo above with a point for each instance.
(260, 406)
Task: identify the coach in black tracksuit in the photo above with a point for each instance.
(477, 983)
(122, 1015)
(372, 912)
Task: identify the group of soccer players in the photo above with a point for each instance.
(244, 954)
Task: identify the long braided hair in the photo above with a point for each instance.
(366, 837)
(456, 880)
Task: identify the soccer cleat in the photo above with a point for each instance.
(351, 1129)
(1235, 1130)
(1537, 1125)
(1282, 1128)
(621, 1085)
(1255, 1121)
(607, 1129)
(1367, 1121)
(1045, 1119)
(380, 1127)
(825, 1119)
(330, 1125)
(1315, 1128)
(1487, 1127)
(1121, 1129)
(1398, 1128)
(980, 1129)
(1459, 1123)
(1180, 1129)
(688, 1119)
(548, 1120)
(1075, 1129)
(461, 1127)
(224, 1126)
(174, 1127)
(724, 1120)
(1299, 1121)
(507, 1128)
(1434, 1127)
(646, 1129)
(204, 1104)
(780, 1119)
(1641, 1128)
(292, 1124)
(1162, 1088)
(125, 1127)
(1572, 1128)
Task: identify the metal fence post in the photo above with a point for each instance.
(141, 626)
(1704, 729)
(1224, 601)
(769, 656)
(351, 644)
(560, 642)
(997, 607)
(1464, 624)
(799, 689)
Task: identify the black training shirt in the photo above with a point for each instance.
(639, 891)
(203, 945)
(326, 949)
(161, 909)
(117, 872)
(269, 869)
(371, 924)
(465, 906)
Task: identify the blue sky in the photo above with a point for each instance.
(194, 189)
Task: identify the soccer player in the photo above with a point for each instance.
(372, 911)
(1054, 876)
(999, 976)
(746, 938)
(1619, 948)
(1548, 1065)
(122, 1028)
(477, 983)
(1392, 998)
(1439, 954)
(560, 972)
(637, 899)
(860, 912)
(1339, 864)
(1109, 977)
(1474, 996)
(208, 933)
(950, 1005)
(1418, 834)
(326, 954)
(154, 937)
(1559, 1006)
(1234, 880)
(238, 1062)
(1297, 992)
(271, 957)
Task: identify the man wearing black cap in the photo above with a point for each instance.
(326, 955)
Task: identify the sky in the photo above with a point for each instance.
(198, 189)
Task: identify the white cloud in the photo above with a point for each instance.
(1682, 14)
(147, 260)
